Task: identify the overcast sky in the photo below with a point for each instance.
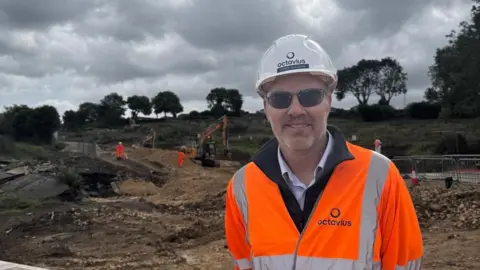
(65, 52)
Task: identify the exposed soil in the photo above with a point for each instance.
(177, 222)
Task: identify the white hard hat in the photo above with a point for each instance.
(295, 54)
(119, 142)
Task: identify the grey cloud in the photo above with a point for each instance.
(33, 14)
(127, 20)
(211, 43)
(223, 24)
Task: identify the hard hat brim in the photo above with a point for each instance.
(326, 76)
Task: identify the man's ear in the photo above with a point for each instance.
(329, 101)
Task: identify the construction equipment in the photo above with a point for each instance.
(191, 146)
(149, 140)
(207, 148)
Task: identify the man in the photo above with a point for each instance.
(378, 145)
(309, 199)
(181, 156)
(120, 151)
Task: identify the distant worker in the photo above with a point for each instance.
(120, 151)
(181, 156)
(378, 145)
(309, 199)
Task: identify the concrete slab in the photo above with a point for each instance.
(15, 266)
(19, 171)
(6, 177)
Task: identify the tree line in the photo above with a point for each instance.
(455, 89)
(30, 124)
(110, 111)
(38, 124)
(455, 74)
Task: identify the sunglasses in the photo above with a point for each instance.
(306, 97)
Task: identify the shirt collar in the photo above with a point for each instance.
(286, 170)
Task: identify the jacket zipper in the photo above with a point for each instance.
(303, 231)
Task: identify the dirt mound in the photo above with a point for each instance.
(193, 185)
(133, 187)
(441, 209)
(168, 158)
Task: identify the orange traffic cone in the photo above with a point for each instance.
(414, 179)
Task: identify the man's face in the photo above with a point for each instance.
(297, 127)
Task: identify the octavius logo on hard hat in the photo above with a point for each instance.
(291, 63)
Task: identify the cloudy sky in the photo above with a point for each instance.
(65, 52)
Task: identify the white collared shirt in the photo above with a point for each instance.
(298, 188)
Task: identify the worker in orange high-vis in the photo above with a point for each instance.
(120, 151)
(309, 199)
(378, 145)
(181, 156)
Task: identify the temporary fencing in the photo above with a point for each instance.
(463, 168)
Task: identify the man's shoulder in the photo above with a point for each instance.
(240, 173)
(365, 151)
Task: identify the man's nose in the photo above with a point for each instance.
(296, 108)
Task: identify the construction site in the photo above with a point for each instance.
(125, 199)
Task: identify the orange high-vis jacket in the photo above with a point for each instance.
(357, 215)
(120, 150)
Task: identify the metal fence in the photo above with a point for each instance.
(464, 168)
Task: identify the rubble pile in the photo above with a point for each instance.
(42, 180)
(440, 209)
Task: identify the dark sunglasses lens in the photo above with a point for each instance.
(310, 97)
(279, 100)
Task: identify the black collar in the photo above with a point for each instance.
(267, 157)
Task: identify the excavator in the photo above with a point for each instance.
(207, 149)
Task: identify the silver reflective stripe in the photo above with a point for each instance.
(241, 200)
(243, 264)
(240, 196)
(307, 263)
(376, 178)
(411, 265)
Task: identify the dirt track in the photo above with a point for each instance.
(177, 224)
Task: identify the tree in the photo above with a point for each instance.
(27, 124)
(454, 74)
(139, 104)
(167, 102)
(392, 80)
(194, 114)
(6, 125)
(234, 102)
(221, 100)
(431, 95)
(218, 110)
(45, 120)
(112, 109)
(22, 126)
(217, 96)
(71, 120)
(158, 104)
(360, 80)
(172, 103)
(88, 113)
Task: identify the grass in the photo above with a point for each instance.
(402, 136)
(20, 150)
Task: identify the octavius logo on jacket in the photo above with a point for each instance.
(335, 219)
